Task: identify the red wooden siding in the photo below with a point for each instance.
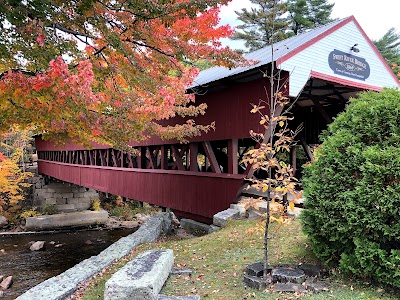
(229, 108)
(193, 192)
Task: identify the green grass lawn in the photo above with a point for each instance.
(219, 259)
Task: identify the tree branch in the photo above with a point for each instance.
(70, 31)
(25, 72)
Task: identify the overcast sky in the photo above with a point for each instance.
(375, 17)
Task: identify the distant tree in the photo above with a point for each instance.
(262, 25)
(308, 14)
(279, 20)
(389, 47)
(19, 140)
(298, 15)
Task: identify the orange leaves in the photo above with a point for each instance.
(11, 180)
(132, 71)
(95, 132)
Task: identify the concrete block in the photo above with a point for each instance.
(66, 207)
(51, 201)
(44, 194)
(58, 185)
(82, 206)
(91, 195)
(61, 201)
(141, 278)
(63, 190)
(63, 195)
(221, 219)
(74, 219)
(192, 225)
(74, 200)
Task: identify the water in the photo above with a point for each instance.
(30, 268)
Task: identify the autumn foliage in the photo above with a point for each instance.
(109, 71)
(12, 181)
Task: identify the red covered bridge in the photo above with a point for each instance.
(320, 70)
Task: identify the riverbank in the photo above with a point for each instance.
(62, 250)
(219, 259)
(64, 284)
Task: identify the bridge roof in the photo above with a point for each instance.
(310, 55)
(264, 55)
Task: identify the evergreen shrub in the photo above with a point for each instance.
(352, 211)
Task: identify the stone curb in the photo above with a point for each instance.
(142, 278)
(73, 219)
(65, 284)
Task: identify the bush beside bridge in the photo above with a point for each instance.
(352, 214)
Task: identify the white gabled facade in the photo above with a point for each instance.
(312, 59)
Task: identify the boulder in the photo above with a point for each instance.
(3, 221)
(175, 220)
(240, 208)
(36, 246)
(6, 283)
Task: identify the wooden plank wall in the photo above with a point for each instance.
(198, 194)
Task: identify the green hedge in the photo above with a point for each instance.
(352, 211)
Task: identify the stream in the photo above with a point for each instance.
(30, 268)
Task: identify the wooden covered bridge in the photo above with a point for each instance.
(320, 69)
